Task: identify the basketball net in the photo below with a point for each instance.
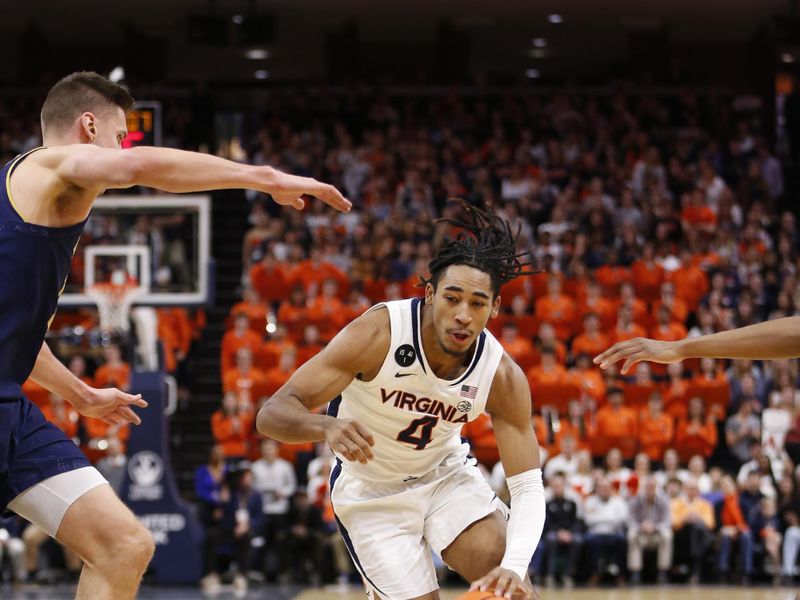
(114, 303)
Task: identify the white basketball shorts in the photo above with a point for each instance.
(390, 530)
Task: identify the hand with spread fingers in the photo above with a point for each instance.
(505, 583)
(637, 350)
(111, 405)
(288, 190)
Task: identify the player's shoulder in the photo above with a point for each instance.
(508, 374)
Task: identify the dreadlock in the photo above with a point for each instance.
(486, 243)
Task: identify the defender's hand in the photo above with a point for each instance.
(288, 190)
(636, 350)
(111, 405)
(503, 582)
(350, 439)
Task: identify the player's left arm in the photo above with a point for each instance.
(109, 404)
(509, 406)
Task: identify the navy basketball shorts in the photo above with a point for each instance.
(31, 449)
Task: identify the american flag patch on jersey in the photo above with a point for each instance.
(468, 391)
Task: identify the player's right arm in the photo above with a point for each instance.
(95, 169)
(779, 338)
(357, 351)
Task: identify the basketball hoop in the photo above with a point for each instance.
(114, 303)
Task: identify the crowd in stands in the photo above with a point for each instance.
(657, 216)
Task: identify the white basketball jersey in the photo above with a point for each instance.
(415, 417)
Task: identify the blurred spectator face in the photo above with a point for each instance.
(568, 446)
(626, 293)
(251, 296)
(77, 366)
(298, 297)
(748, 386)
(287, 360)
(557, 487)
(756, 451)
(752, 482)
(112, 353)
(674, 487)
(216, 455)
(614, 459)
(244, 359)
(240, 324)
(230, 402)
(269, 450)
(655, 404)
(691, 489)
(697, 465)
(603, 488)
(615, 398)
(575, 409)
(554, 287)
(643, 373)
(728, 486)
(584, 461)
(547, 334)
(509, 333)
(671, 460)
(591, 324)
(548, 358)
(667, 293)
(641, 464)
(624, 316)
(675, 370)
(519, 305)
(330, 288)
(583, 362)
(650, 488)
(696, 408)
(311, 335)
(708, 366)
(663, 317)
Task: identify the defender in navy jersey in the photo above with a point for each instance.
(406, 376)
(45, 199)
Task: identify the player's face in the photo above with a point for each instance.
(462, 305)
(110, 127)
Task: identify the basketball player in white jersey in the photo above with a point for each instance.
(406, 376)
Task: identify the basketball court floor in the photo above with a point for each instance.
(294, 593)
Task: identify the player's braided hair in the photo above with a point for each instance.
(486, 243)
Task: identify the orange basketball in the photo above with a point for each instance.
(487, 595)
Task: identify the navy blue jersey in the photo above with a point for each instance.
(34, 265)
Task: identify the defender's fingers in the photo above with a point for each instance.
(333, 197)
(136, 400)
(129, 416)
(631, 361)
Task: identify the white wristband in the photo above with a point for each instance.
(527, 520)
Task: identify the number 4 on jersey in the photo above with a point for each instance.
(425, 426)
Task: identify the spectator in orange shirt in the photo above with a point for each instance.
(175, 334)
(268, 278)
(647, 275)
(99, 435)
(114, 372)
(248, 383)
(547, 339)
(357, 303)
(588, 377)
(677, 308)
(591, 341)
(271, 351)
(231, 427)
(255, 308)
(527, 323)
(557, 309)
(241, 336)
(548, 374)
(310, 345)
(611, 275)
(627, 297)
(676, 391)
(312, 272)
(327, 312)
(62, 415)
(293, 313)
(519, 348)
(696, 434)
(691, 282)
(713, 387)
(616, 427)
(637, 393)
(597, 304)
(279, 375)
(655, 429)
(577, 425)
(626, 329)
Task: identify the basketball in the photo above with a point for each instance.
(487, 595)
